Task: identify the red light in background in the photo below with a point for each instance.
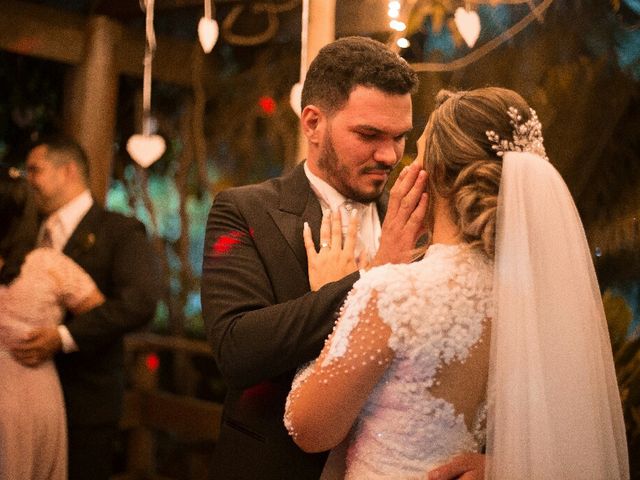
(267, 104)
(152, 362)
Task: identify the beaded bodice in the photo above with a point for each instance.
(428, 404)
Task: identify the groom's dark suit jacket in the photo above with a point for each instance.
(263, 322)
(114, 251)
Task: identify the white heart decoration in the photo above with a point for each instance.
(146, 149)
(207, 33)
(295, 97)
(468, 24)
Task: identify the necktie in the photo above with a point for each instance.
(50, 232)
(346, 212)
(46, 240)
(345, 215)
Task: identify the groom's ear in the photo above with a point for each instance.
(312, 122)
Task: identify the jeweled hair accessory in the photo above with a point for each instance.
(527, 136)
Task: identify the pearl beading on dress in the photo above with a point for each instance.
(437, 310)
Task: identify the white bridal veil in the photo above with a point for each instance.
(554, 406)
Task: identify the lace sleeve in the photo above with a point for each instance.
(385, 293)
(327, 398)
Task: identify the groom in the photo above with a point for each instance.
(262, 320)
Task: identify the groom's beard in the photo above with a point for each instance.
(339, 176)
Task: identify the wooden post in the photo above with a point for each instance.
(141, 442)
(91, 99)
(321, 31)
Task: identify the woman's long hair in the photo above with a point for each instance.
(462, 166)
(18, 222)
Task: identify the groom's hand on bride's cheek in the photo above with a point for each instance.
(466, 466)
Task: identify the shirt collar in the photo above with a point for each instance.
(70, 214)
(327, 195)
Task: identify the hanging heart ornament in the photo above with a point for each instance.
(208, 33)
(146, 149)
(468, 24)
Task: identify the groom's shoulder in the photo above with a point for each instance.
(264, 192)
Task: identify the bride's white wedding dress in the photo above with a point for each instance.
(409, 365)
(429, 404)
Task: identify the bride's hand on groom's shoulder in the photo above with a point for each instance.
(404, 221)
(466, 466)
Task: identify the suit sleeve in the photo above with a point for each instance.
(255, 338)
(132, 288)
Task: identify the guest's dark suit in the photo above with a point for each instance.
(115, 252)
(263, 322)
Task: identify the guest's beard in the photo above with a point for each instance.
(338, 174)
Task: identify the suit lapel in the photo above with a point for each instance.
(298, 204)
(84, 236)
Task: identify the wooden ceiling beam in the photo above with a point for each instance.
(53, 34)
(44, 32)
(171, 62)
(59, 35)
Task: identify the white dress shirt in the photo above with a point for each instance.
(61, 225)
(331, 200)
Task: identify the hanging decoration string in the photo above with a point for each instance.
(486, 48)
(304, 38)
(148, 61)
(147, 147)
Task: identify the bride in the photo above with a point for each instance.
(495, 340)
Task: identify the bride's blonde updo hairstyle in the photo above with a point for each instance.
(462, 166)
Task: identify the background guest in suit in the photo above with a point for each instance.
(262, 319)
(114, 251)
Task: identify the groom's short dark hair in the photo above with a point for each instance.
(349, 62)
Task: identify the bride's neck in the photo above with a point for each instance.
(444, 228)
